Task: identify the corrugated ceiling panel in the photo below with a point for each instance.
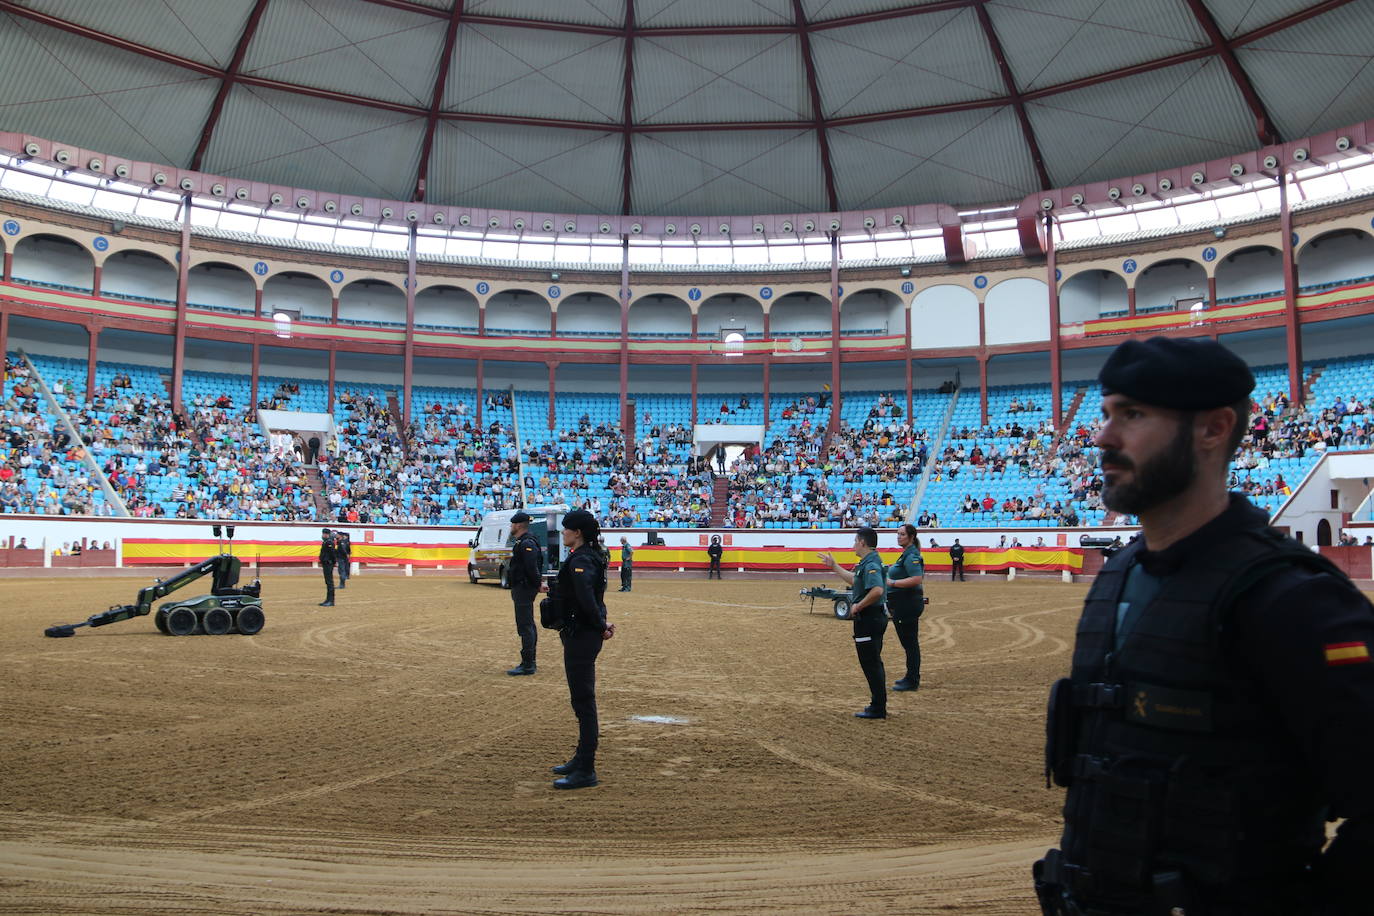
(1318, 75)
(1235, 17)
(1177, 116)
(1095, 37)
(515, 167)
(821, 10)
(965, 157)
(581, 12)
(311, 143)
(139, 108)
(667, 13)
(723, 78)
(536, 73)
(904, 63)
(358, 48)
(732, 172)
(205, 32)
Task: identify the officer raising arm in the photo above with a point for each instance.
(869, 614)
(1220, 705)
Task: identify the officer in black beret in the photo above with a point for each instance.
(525, 575)
(328, 559)
(1220, 705)
(582, 587)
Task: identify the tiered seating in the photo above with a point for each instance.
(38, 473)
(68, 482)
(457, 471)
(667, 486)
(361, 468)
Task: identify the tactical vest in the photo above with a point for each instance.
(1178, 771)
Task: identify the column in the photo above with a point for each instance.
(4, 344)
(553, 320)
(695, 359)
(553, 373)
(767, 374)
(1052, 281)
(625, 345)
(983, 388)
(479, 388)
(95, 280)
(1212, 291)
(834, 330)
(906, 358)
(9, 265)
(409, 369)
(1290, 293)
(482, 320)
(695, 316)
(92, 348)
(334, 309)
(257, 302)
(331, 376)
(179, 335)
(255, 372)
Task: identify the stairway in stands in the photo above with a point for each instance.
(180, 413)
(316, 482)
(1069, 416)
(720, 498)
(398, 420)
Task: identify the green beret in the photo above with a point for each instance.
(1194, 373)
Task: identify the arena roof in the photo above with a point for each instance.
(661, 107)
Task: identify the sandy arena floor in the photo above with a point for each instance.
(374, 757)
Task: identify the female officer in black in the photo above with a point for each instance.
(582, 588)
(906, 601)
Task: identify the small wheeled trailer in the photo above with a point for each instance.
(840, 600)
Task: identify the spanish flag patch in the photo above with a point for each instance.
(1346, 653)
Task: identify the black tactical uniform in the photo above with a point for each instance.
(956, 560)
(714, 552)
(343, 547)
(582, 588)
(906, 606)
(328, 559)
(525, 575)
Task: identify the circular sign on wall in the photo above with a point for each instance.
(766, 292)
(336, 276)
(1295, 240)
(1129, 265)
(1209, 253)
(694, 293)
(483, 288)
(980, 281)
(554, 292)
(100, 243)
(1058, 274)
(11, 227)
(908, 286)
(260, 268)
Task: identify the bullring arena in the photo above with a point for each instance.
(373, 757)
(767, 272)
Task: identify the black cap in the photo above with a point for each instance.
(1179, 373)
(325, 531)
(519, 517)
(583, 521)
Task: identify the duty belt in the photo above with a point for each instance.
(1099, 696)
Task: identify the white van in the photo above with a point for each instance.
(491, 548)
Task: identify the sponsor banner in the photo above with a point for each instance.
(786, 559)
(154, 551)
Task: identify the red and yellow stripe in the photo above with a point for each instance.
(1346, 653)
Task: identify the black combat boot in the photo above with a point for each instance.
(583, 778)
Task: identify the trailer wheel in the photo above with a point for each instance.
(249, 620)
(160, 618)
(842, 608)
(216, 621)
(472, 575)
(181, 621)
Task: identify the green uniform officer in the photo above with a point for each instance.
(868, 611)
(627, 554)
(905, 602)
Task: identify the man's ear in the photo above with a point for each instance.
(1212, 428)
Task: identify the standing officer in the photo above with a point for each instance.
(866, 609)
(343, 546)
(906, 601)
(627, 554)
(582, 590)
(525, 575)
(1220, 706)
(714, 552)
(956, 560)
(328, 558)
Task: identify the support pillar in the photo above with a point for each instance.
(92, 351)
(694, 391)
(625, 424)
(1052, 282)
(767, 378)
(482, 320)
(95, 280)
(983, 388)
(183, 279)
(553, 376)
(254, 374)
(834, 330)
(479, 391)
(695, 316)
(1130, 301)
(333, 309)
(1292, 330)
(4, 346)
(553, 321)
(332, 357)
(409, 368)
(1212, 292)
(257, 302)
(906, 358)
(9, 266)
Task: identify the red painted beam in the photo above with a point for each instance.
(436, 98)
(1014, 94)
(627, 118)
(1264, 127)
(817, 112)
(226, 83)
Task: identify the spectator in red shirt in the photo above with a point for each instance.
(988, 503)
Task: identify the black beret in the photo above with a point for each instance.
(1194, 373)
(583, 521)
(519, 517)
